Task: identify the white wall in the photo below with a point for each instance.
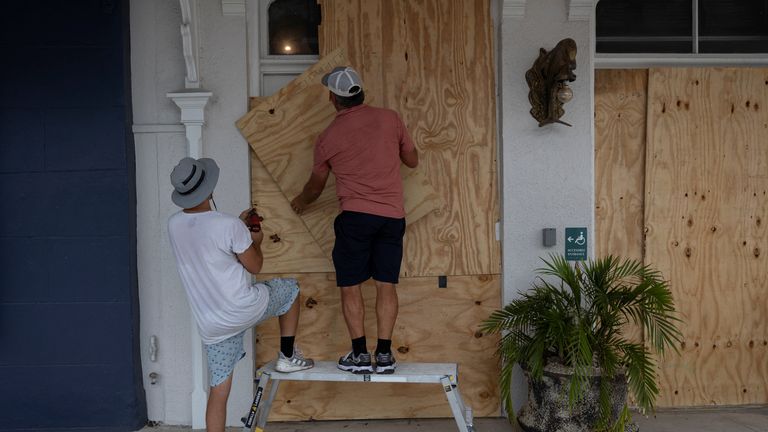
(157, 67)
(548, 172)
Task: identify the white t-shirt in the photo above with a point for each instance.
(223, 301)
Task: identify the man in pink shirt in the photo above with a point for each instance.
(364, 147)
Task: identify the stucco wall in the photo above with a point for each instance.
(548, 172)
(158, 68)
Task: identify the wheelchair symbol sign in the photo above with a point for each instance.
(575, 244)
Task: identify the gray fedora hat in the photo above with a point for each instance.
(193, 181)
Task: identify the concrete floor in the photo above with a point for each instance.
(699, 420)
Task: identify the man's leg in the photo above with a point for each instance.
(289, 321)
(386, 309)
(290, 358)
(386, 314)
(386, 257)
(216, 411)
(354, 310)
(358, 360)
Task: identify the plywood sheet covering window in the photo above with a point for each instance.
(432, 61)
(288, 246)
(620, 123)
(620, 109)
(281, 130)
(706, 211)
(434, 325)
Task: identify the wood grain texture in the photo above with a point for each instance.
(706, 209)
(620, 110)
(434, 325)
(293, 248)
(441, 81)
(281, 130)
(620, 124)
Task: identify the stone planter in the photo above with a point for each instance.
(547, 407)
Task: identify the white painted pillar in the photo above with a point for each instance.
(192, 105)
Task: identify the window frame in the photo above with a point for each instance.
(695, 58)
(260, 62)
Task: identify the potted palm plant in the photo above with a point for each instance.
(566, 333)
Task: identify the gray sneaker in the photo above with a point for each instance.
(385, 363)
(356, 364)
(292, 364)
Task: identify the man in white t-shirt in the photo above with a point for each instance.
(215, 253)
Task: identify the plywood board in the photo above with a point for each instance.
(287, 245)
(282, 128)
(620, 124)
(620, 109)
(434, 325)
(413, 60)
(705, 210)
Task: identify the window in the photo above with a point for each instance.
(293, 27)
(682, 26)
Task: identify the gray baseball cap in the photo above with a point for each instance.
(343, 81)
(193, 181)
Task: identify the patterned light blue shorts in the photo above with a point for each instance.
(223, 356)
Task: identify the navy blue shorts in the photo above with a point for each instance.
(367, 246)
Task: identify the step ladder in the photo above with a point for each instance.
(445, 374)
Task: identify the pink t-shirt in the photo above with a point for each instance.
(362, 146)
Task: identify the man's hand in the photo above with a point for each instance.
(251, 219)
(257, 237)
(310, 192)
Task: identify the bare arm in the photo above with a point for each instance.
(312, 190)
(252, 258)
(410, 158)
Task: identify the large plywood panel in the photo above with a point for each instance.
(282, 128)
(434, 325)
(705, 212)
(620, 109)
(288, 246)
(413, 60)
(620, 124)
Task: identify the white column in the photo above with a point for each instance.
(192, 105)
(550, 168)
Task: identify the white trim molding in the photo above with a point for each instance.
(581, 10)
(189, 42)
(233, 7)
(513, 9)
(644, 61)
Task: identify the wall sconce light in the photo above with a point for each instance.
(548, 82)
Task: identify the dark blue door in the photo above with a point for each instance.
(69, 355)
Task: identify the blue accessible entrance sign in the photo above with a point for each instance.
(576, 244)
